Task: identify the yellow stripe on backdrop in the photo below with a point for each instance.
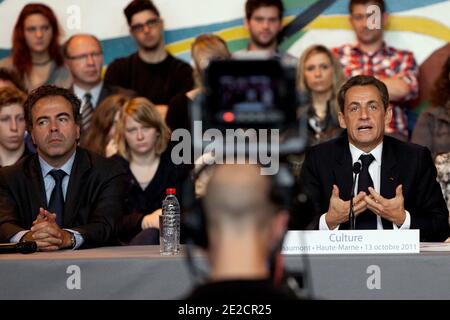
(419, 25)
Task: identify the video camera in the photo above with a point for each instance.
(251, 94)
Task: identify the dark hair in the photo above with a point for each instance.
(252, 5)
(11, 95)
(50, 91)
(21, 55)
(363, 81)
(379, 3)
(65, 46)
(136, 6)
(440, 94)
(13, 77)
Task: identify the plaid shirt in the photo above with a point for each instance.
(386, 62)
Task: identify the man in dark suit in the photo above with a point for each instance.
(396, 187)
(83, 56)
(63, 196)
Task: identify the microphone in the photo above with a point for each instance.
(20, 247)
(351, 215)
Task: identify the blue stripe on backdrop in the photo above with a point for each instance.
(4, 52)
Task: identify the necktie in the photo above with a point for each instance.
(87, 112)
(366, 219)
(56, 203)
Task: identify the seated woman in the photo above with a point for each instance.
(319, 77)
(36, 54)
(432, 129)
(142, 138)
(100, 136)
(206, 47)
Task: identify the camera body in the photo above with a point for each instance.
(246, 96)
(249, 94)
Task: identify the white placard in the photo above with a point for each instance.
(351, 242)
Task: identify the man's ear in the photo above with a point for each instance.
(350, 21)
(78, 132)
(384, 20)
(341, 119)
(32, 137)
(388, 115)
(246, 23)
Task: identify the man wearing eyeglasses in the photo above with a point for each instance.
(84, 58)
(152, 72)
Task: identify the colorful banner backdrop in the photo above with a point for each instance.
(421, 26)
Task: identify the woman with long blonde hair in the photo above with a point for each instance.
(142, 138)
(319, 77)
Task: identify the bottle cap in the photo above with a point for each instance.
(171, 191)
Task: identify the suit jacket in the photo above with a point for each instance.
(94, 199)
(402, 163)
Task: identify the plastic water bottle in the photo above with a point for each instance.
(169, 224)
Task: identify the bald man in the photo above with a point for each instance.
(245, 227)
(83, 57)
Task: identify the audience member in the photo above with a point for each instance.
(206, 47)
(10, 78)
(371, 56)
(142, 138)
(152, 72)
(100, 136)
(320, 77)
(63, 196)
(263, 20)
(396, 188)
(12, 126)
(84, 58)
(245, 226)
(36, 54)
(442, 163)
(428, 74)
(433, 126)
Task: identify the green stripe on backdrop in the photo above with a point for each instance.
(285, 45)
(235, 45)
(289, 4)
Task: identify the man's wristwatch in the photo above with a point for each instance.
(73, 240)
